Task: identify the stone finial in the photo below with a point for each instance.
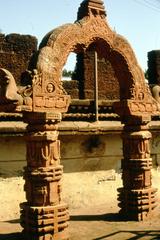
(88, 7)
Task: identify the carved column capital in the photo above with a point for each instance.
(136, 112)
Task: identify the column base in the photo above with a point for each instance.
(45, 223)
(137, 205)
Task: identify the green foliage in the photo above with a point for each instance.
(146, 74)
(66, 73)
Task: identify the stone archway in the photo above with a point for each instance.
(137, 197)
(44, 216)
(136, 103)
(56, 46)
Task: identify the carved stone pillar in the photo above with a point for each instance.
(43, 216)
(137, 197)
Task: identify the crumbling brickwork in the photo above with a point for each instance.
(72, 88)
(15, 53)
(154, 67)
(108, 86)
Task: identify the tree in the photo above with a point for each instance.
(146, 74)
(66, 73)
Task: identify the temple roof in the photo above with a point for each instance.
(87, 7)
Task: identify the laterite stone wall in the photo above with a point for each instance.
(154, 67)
(15, 53)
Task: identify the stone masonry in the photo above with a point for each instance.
(16, 51)
(44, 216)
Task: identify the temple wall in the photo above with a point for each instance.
(91, 156)
(12, 156)
(83, 151)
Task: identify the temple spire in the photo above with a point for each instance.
(94, 7)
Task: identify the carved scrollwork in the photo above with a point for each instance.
(8, 88)
(13, 97)
(155, 90)
(43, 153)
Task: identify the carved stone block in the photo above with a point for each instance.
(137, 204)
(42, 185)
(43, 153)
(45, 223)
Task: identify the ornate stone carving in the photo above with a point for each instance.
(136, 103)
(155, 89)
(48, 96)
(44, 216)
(137, 204)
(13, 98)
(8, 88)
(135, 108)
(72, 37)
(137, 197)
(44, 221)
(43, 153)
(95, 7)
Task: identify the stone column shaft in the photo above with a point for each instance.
(137, 197)
(44, 216)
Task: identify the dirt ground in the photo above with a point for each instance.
(87, 222)
(95, 224)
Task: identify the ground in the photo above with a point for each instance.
(95, 224)
(89, 221)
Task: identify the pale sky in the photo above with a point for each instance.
(137, 20)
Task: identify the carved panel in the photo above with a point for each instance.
(50, 222)
(136, 148)
(42, 185)
(136, 145)
(43, 153)
(137, 204)
(48, 96)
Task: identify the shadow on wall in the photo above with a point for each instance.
(91, 153)
(12, 157)
(79, 153)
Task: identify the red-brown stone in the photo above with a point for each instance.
(44, 216)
